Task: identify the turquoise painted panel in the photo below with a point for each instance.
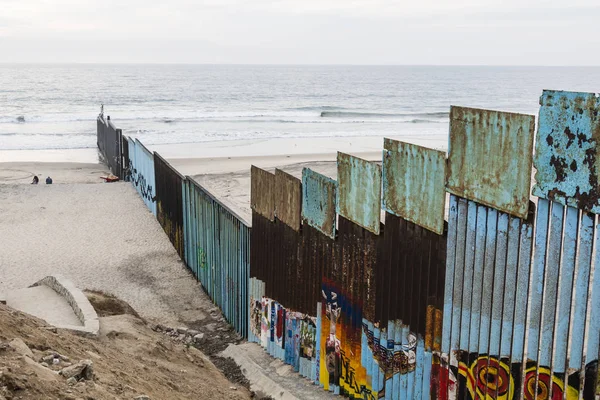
(319, 199)
(490, 157)
(413, 183)
(566, 157)
(359, 191)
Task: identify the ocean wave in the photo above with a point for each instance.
(353, 114)
(317, 108)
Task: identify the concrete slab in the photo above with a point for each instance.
(44, 303)
(270, 376)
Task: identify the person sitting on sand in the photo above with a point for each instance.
(36, 180)
(48, 181)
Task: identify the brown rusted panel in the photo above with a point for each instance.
(288, 199)
(413, 183)
(359, 191)
(490, 158)
(169, 200)
(566, 159)
(409, 284)
(262, 192)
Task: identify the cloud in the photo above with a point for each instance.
(304, 31)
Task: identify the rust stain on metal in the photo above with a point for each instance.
(490, 158)
(413, 183)
(359, 190)
(566, 158)
(319, 197)
(262, 192)
(288, 202)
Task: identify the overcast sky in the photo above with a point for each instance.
(463, 32)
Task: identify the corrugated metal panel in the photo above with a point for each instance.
(110, 142)
(288, 202)
(218, 244)
(142, 173)
(169, 201)
(484, 336)
(359, 190)
(490, 157)
(319, 198)
(566, 157)
(262, 192)
(413, 183)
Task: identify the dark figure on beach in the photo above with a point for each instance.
(36, 180)
(48, 181)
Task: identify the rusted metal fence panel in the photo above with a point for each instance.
(501, 181)
(413, 183)
(169, 201)
(359, 191)
(288, 199)
(262, 192)
(141, 162)
(218, 243)
(109, 141)
(319, 199)
(567, 149)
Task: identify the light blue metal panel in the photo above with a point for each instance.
(499, 282)
(537, 278)
(510, 277)
(359, 191)
(580, 291)
(479, 264)
(459, 272)
(550, 285)
(467, 281)
(144, 182)
(449, 280)
(565, 290)
(319, 198)
(413, 183)
(488, 280)
(501, 181)
(521, 296)
(593, 330)
(566, 158)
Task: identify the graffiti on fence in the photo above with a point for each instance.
(145, 189)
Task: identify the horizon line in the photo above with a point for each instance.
(302, 64)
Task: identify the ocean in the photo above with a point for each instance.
(55, 106)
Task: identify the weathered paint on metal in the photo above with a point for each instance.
(319, 199)
(567, 161)
(413, 183)
(262, 192)
(288, 201)
(142, 174)
(359, 191)
(501, 181)
(218, 243)
(581, 292)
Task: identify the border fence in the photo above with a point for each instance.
(110, 144)
(372, 287)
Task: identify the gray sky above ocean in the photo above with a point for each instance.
(438, 32)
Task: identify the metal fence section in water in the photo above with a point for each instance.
(169, 201)
(217, 251)
(141, 164)
(109, 141)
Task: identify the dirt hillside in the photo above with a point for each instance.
(127, 361)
